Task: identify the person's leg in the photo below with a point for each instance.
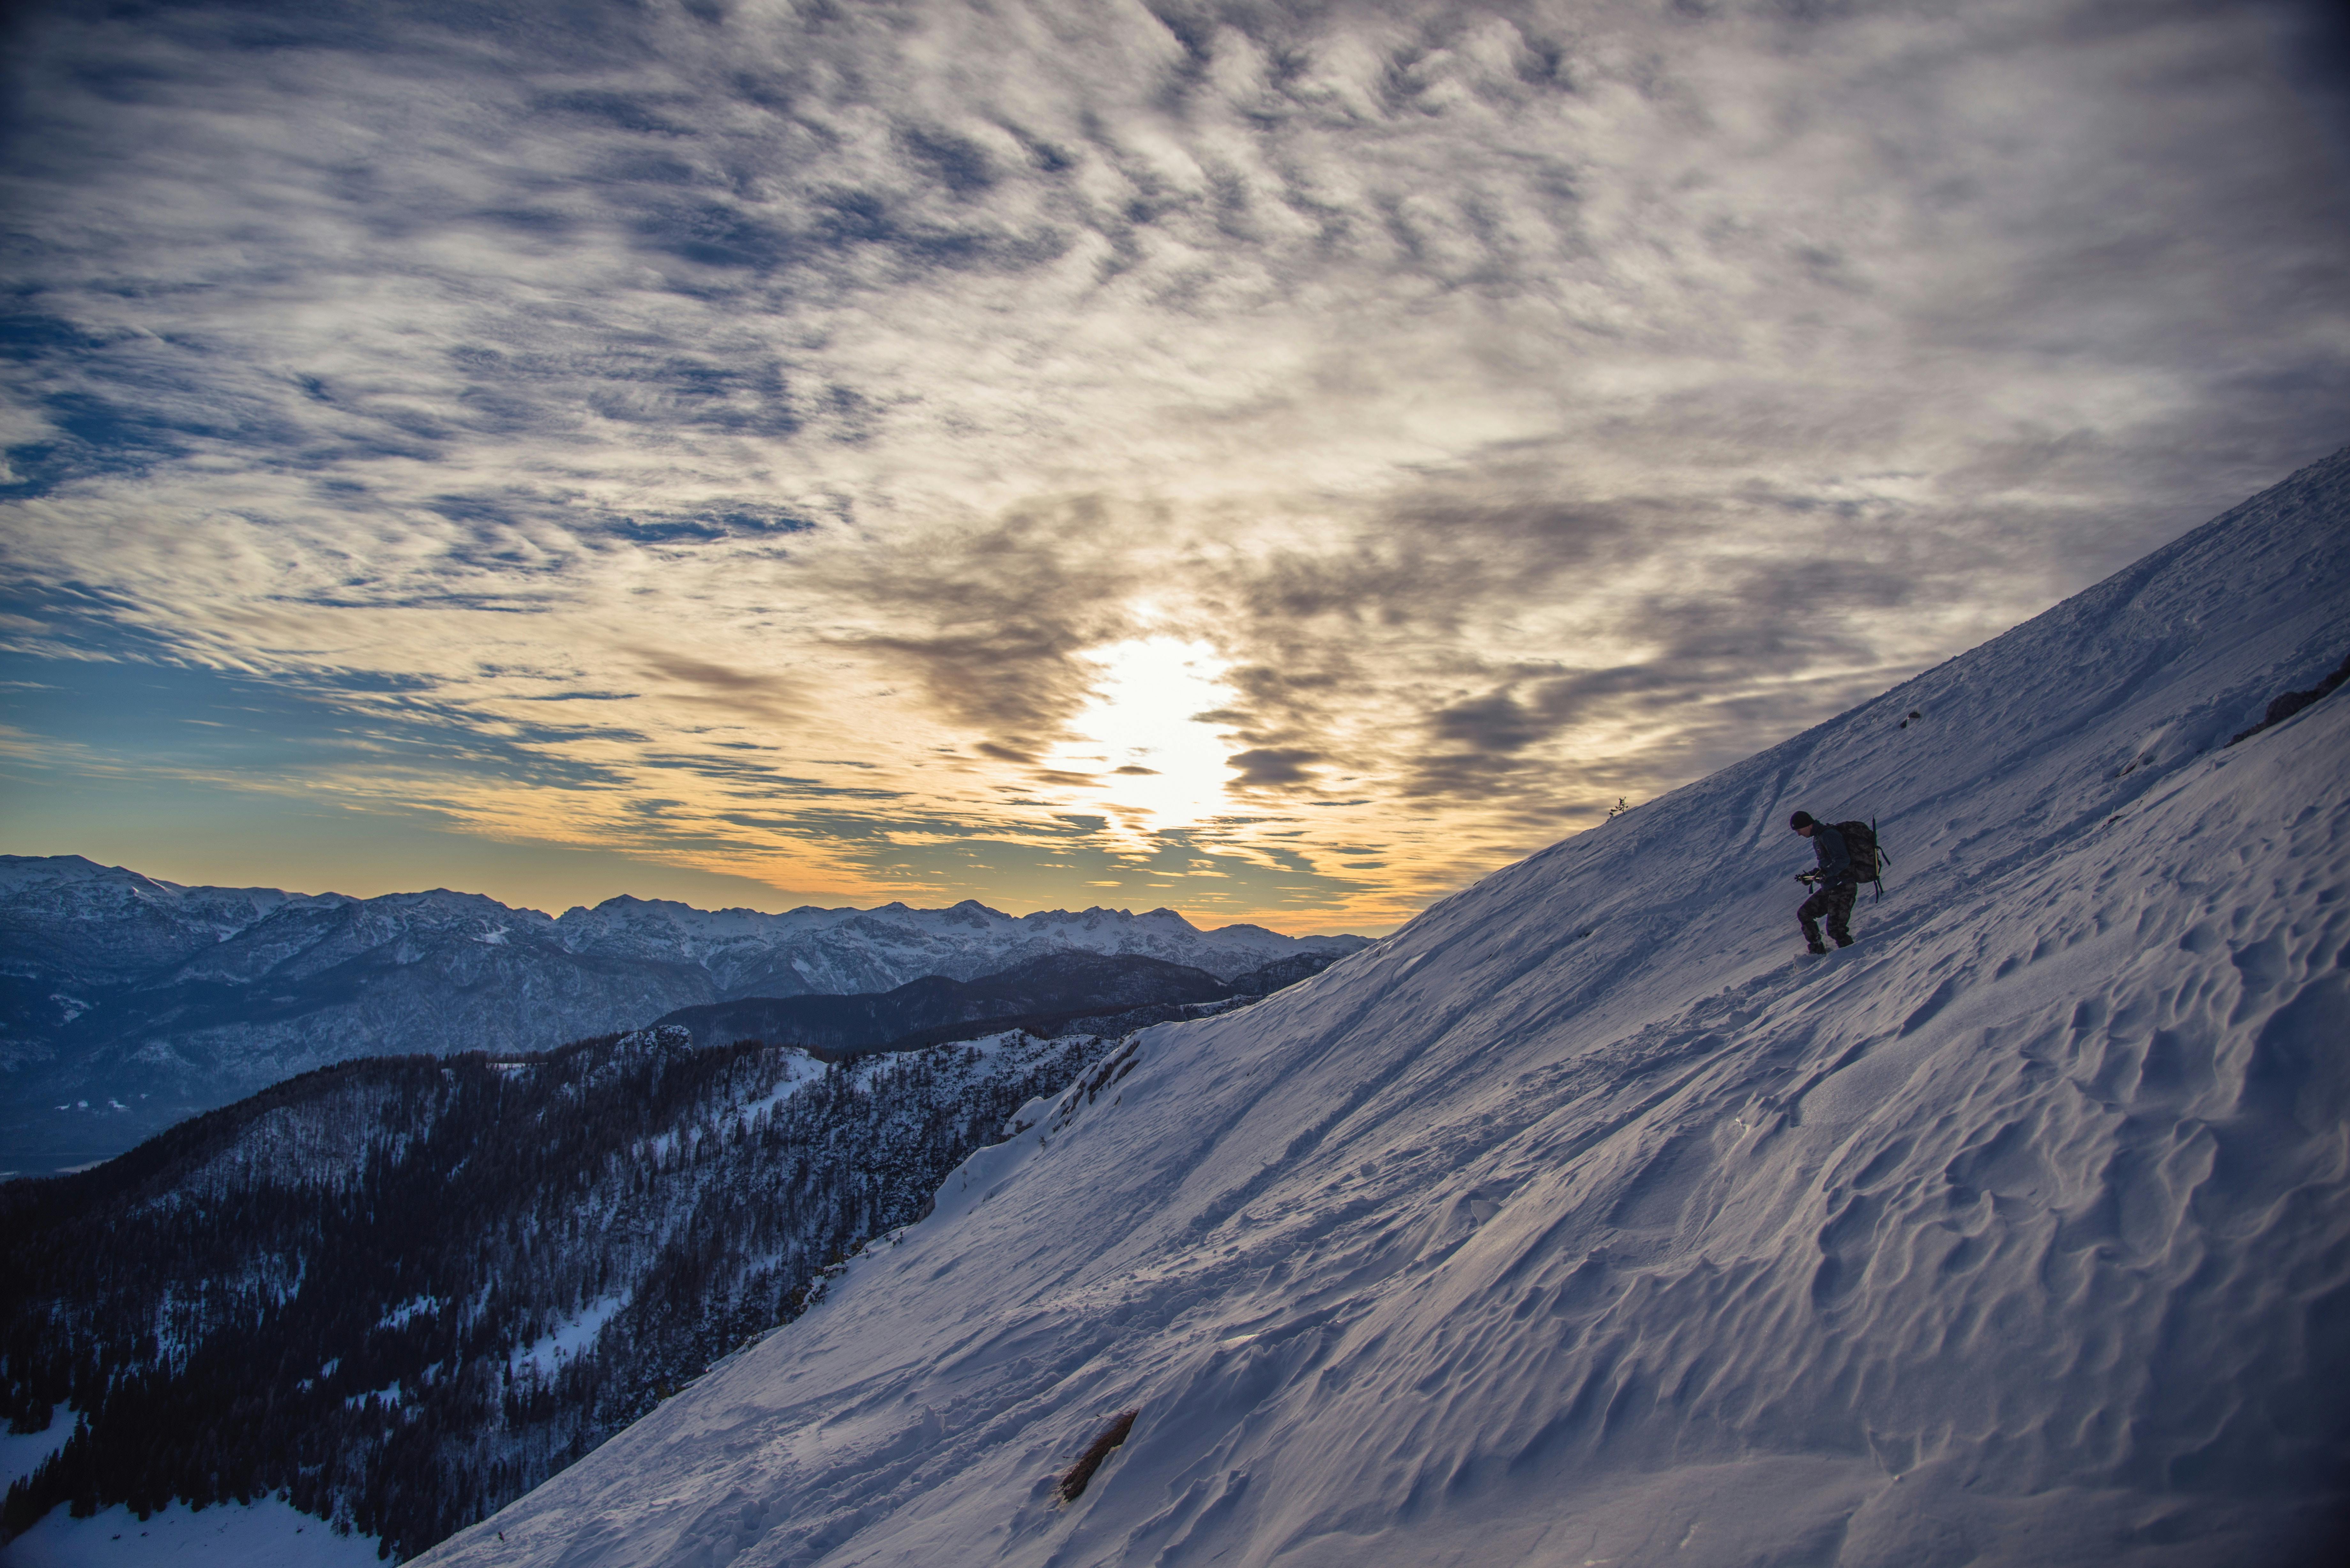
(1839, 912)
(1808, 914)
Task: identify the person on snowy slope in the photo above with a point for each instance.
(1834, 885)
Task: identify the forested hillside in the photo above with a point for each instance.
(404, 1291)
(1060, 993)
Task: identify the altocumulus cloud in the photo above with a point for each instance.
(747, 434)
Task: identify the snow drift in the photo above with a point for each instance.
(1582, 1221)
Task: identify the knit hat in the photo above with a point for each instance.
(1800, 821)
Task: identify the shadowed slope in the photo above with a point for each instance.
(1060, 993)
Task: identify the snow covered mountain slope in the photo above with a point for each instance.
(1582, 1222)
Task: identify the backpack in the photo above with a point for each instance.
(1868, 857)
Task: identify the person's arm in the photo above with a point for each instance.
(1835, 861)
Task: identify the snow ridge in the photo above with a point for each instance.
(1582, 1221)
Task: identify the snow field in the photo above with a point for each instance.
(264, 1534)
(1585, 1222)
(568, 1341)
(21, 1453)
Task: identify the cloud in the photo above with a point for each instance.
(1264, 766)
(756, 697)
(1529, 403)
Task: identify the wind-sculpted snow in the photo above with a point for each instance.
(1584, 1221)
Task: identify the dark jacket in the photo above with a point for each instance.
(1835, 861)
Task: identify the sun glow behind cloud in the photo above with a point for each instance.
(1159, 765)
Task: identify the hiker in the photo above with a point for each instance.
(1834, 886)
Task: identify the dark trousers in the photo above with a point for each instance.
(1834, 901)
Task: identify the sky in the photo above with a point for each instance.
(1277, 461)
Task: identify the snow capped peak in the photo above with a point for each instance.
(19, 870)
(22, 871)
(1587, 1219)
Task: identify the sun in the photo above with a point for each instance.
(1156, 763)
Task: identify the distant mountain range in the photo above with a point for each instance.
(128, 1003)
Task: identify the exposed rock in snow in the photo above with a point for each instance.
(1583, 1220)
